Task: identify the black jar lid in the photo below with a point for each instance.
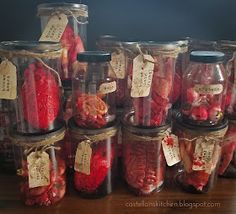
(207, 56)
(94, 56)
(83, 131)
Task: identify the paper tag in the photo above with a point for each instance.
(82, 158)
(170, 145)
(8, 80)
(118, 64)
(202, 157)
(143, 67)
(106, 88)
(209, 89)
(38, 167)
(54, 28)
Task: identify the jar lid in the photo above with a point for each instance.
(67, 8)
(83, 131)
(207, 56)
(94, 56)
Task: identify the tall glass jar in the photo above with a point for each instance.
(227, 166)
(38, 103)
(144, 163)
(93, 155)
(229, 49)
(151, 68)
(94, 90)
(204, 89)
(41, 167)
(200, 150)
(118, 62)
(74, 38)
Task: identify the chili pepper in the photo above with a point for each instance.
(199, 113)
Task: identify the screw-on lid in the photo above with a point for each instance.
(94, 56)
(207, 56)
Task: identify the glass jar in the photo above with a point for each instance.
(227, 166)
(200, 150)
(229, 49)
(74, 37)
(204, 89)
(41, 167)
(144, 163)
(94, 158)
(6, 150)
(118, 62)
(151, 68)
(38, 104)
(94, 89)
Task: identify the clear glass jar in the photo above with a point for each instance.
(38, 104)
(144, 163)
(94, 90)
(150, 68)
(93, 154)
(41, 167)
(6, 150)
(74, 37)
(118, 62)
(229, 49)
(200, 150)
(227, 166)
(204, 89)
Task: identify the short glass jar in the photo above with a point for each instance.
(41, 167)
(74, 37)
(94, 91)
(93, 155)
(204, 88)
(200, 150)
(38, 104)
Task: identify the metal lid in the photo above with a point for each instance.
(94, 56)
(207, 56)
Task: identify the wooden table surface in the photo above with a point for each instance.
(220, 200)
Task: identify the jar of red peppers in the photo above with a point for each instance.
(151, 68)
(145, 155)
(94, 88)
(38, 103)
(41, 167)
(118, 62)
(65, 23)
(227, 166)
(229, 49)
(204, 89)
(94, 158)
(6, 150)
(200, 150)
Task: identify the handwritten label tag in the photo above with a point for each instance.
(82, 158)
(203, 154)
(106, 88)
(118, 64)
(54, 28)
(8, 80)
(209, 89)
(38, 167)
(143, 67)
(170, 145)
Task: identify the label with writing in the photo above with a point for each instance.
(203, 154)
(38, 167)
(8, 80)
(118, 64)
(54, 28)
(143, 66)
(170, 145)
(83, 158)
(209, 89)
(109, 87)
